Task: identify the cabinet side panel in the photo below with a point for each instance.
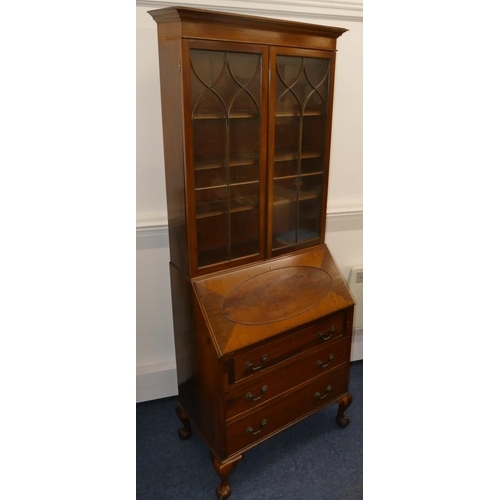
(173, 149)
(210, 420)
(185, 336)
(199, 370)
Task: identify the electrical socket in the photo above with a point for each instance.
(359, 277)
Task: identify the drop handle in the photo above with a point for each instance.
(321, 365)
(249, 364)
(262, 424)
(319, 396)
(322, 336)
(250, 397)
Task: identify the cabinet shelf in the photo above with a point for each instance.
(296, 156)
(221, 163)
(242, 204)
(233, 184)
(297, 176)
(284, 197)
(285, 114)
(223, 116)
(221, 212)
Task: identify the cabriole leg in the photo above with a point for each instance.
(343, 403)
(223, 469)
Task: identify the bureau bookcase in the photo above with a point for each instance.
(262, 316)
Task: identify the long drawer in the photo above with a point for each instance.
(262, 388)
(264, 357)
(272, 417)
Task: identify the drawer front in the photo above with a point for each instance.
(274, 416)
(266, 356)
(262, 388)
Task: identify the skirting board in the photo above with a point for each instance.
(160, 381)
(357, 344)
(156, 381)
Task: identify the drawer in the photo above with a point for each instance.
(284, 411)
(272, 353)
(262, 388)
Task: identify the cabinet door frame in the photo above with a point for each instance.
(263, 50)
(297, 52)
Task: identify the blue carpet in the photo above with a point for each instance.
(314, 459)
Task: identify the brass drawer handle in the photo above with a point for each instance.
(319, 396)
(321, 365)
(249, 364)
(251, 431)
(321, 336)
(262, 391)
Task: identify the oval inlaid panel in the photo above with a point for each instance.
(276, 295)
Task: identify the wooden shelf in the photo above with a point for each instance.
(219, 116)
(284, 114)
(244, 203)
(297, 176)
(221, 163)
(284, 197)
(296, 156)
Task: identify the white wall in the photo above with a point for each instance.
(155, 345)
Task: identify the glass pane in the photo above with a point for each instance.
(209, 175)
(311, 187)
(285, 168)
(211, 201)
(244, 196)
(315, 103)
(286, 135)
(207, 66)
(310, 165)
(212, 240)
(289, 70)
(301, 110)
(209, 140)
(205, 72)
(293, 88)
(301, 84)
(288, 104)
(244, 138)
(245, 69)
(313, 134)
(243, 171)
(226, 101)
(244, 233)
(317, 72)
(309, 226)
(209, 105)
(285, 212)
(244, 104)
(284, 229)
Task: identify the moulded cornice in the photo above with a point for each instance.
(303, 9)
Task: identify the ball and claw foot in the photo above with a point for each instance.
(343, 403)
(342, 421)
(223, 492)
(184, 432)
